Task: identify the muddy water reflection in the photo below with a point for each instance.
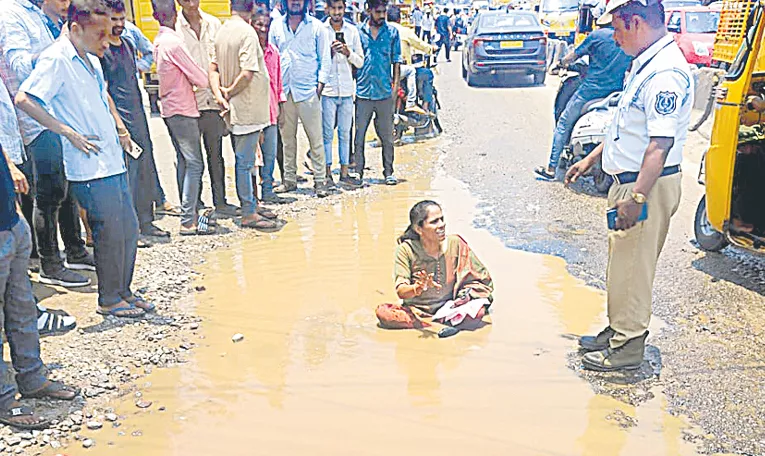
(314, 375)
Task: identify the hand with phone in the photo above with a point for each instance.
(339, 46)
(626, 214)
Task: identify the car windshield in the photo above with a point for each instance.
(499, 21)
(702, 22)
(551, 6)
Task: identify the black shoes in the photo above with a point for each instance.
(599, 342)
(626, 357)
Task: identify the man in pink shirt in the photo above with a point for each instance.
(261, 20)
(178, 74)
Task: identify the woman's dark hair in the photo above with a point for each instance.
(417, 215)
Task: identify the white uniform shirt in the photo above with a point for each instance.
(656, 102)
(340, 82)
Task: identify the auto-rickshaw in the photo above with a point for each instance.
(585, 22)
(733, 169)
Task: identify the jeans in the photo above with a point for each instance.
(418, 30)
(212, 128)
(244, 151)
(18, 314)
(309, 113)
(383, 112)
(337, 110)
(55, 206)
(444, 42)
(115, 234)
(270, 139)
(185, 136)
(28, 199)
(565, 126)
(426, 36)
(425, 86)
(139, 170)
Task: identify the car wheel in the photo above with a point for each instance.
(539, 77)
(464, 70)
(472, 79)
(708, 238)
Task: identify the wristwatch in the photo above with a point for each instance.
(639, 197)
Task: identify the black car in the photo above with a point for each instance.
(505, 42)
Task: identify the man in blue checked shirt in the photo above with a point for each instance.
(24, 34)
(142, 44)
(304, 47)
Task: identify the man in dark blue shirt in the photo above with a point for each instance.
(605, 75)
(377, 86)
(19, 312)
(444, 30)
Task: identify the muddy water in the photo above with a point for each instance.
(314, 375)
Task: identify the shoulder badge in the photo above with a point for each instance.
(666, 103)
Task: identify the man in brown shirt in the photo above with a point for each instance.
(239, 81)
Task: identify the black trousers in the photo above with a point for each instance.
(212, 128)
(56, 207)
(383, 113)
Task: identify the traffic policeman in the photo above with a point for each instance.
(642, 151)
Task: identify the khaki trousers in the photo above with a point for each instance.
(309, 113)
(632, 258)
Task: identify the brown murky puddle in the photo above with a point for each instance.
(314, 375)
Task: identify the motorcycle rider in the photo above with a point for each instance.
(408, 41)
(605, 75)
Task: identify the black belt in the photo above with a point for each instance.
(631, 176)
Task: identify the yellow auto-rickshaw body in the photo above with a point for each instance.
(745, 77)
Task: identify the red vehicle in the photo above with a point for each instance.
(694, 30)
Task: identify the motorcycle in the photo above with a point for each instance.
(423, 125)
(591, 127)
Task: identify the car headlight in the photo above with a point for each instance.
(700, 48)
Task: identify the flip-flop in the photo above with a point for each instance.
(173, 211)
(150, 306)
(50, 388)
(113, 312)
(267, 226)
(267, 213)
(7, 416)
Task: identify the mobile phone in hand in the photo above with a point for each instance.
(611, 216)
(340, 36)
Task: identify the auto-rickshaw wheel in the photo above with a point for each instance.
(707, 237)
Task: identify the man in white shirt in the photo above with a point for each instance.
(199, 30)
(643, 151)
(337, 99)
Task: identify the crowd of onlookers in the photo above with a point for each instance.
(79, 154)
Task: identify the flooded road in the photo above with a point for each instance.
(315, 375)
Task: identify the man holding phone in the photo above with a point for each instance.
(643, 151)
(337, 102)
(120, 72)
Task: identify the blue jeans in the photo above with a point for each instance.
(270, 136)
(186, 139)
(337, 111)
(244, 152)
(18, 314)
(115, 234)
(565, 125)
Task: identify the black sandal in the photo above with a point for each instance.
(54, 322)
(49, 390)
(7, 418)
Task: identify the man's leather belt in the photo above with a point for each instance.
(631, 176)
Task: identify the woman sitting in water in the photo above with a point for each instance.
(433, 270)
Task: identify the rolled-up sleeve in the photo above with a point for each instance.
(396, 47)
(663, 96)
(325, 54)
